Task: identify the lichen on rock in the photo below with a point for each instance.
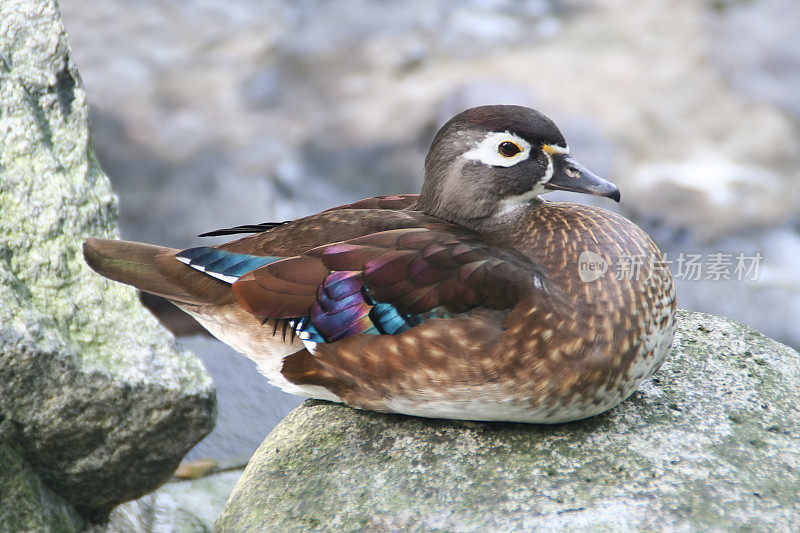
(99, 400)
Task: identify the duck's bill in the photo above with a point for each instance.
(570, 175)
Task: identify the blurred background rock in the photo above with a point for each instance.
(215, 113)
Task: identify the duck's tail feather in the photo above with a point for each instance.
(153, 269)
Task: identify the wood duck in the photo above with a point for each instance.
(474, 300)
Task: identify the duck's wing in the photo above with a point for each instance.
(384, 313)
(386, 282)
(164, 271)
(395, 202)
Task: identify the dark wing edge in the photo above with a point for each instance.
(247, 228)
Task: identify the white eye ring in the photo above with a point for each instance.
(487, 151)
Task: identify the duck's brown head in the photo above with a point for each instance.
(489, 161)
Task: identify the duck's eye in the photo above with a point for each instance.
(508, 149)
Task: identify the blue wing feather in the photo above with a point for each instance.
(388, 319)
(221, 264)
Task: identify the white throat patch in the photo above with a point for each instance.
(487, 151)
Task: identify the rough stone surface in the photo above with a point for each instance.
(711, 442)
(27, 504)
(98, 398)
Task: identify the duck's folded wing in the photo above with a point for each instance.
(386, 282)
(166, 271)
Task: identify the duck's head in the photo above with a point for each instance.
(489, 161)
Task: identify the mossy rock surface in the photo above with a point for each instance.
(712, 442)
(27, 504)
(97, 399)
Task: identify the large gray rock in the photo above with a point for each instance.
(97, 400)
(27, 504)
(711, 442)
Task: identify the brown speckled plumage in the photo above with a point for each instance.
(497, 323)
(574, 343)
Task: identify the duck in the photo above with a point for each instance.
(475, 299)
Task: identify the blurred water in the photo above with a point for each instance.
(249, 407)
